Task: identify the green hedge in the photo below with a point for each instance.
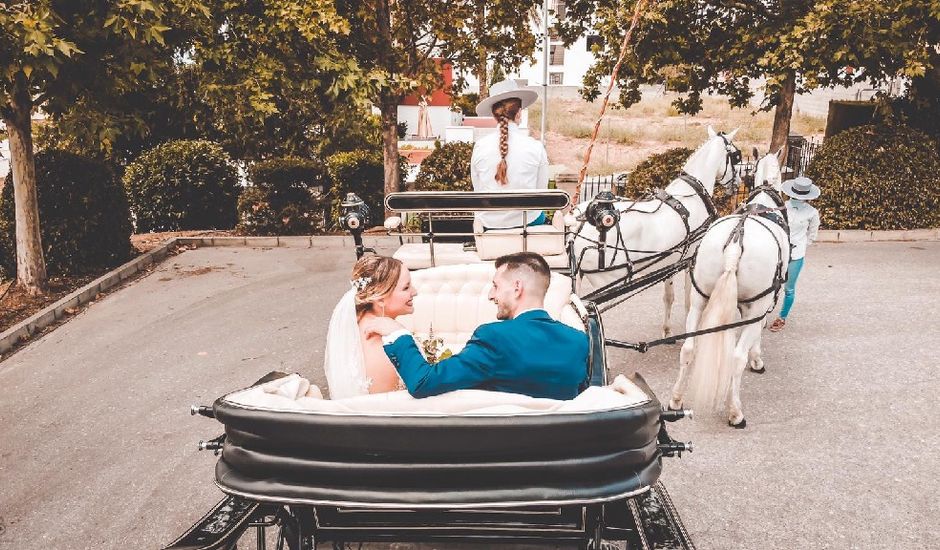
(84, 218)
(878, 177)
(447, 168)
(658, 171)
(183, 184)
(286, 197)
(362, 173)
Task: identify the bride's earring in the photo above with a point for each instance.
(383, 309)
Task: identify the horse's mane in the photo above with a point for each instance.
(696, 154)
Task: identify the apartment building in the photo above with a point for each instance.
(566, 66)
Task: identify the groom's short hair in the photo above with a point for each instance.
(528, 261)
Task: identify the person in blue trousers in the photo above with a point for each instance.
(804, 228)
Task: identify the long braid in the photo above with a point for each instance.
(504, 111)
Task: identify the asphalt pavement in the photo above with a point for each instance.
(97, 449)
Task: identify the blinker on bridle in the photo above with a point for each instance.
(732, 159)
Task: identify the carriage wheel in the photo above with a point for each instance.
(292, 530)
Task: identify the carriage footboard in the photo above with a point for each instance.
(221, 527)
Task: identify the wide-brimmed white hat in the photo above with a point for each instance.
(505, 89)
(801, 188)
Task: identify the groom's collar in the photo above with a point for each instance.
(533, 312)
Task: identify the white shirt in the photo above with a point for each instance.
(804, 226)
(526, 168)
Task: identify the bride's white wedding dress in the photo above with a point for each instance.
(344, 360)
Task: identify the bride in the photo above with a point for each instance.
(356, 364)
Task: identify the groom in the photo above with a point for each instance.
(525, 352)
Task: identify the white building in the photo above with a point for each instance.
(566, 66)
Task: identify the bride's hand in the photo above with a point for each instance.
(382, 326)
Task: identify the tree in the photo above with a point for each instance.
(498, 38)
(401, 44)
(275, 76)
(56, 52)
(794, 45)
(264, 79)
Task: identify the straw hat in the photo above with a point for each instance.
(801, 188)
(505, 89)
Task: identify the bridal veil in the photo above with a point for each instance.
(343, 362)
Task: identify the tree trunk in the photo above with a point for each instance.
(30, 266)
(782, 114)
(389, 107)
(483, 77)
(480, 70)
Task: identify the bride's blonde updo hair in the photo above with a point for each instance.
(373, 277)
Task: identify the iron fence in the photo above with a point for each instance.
(799, 154)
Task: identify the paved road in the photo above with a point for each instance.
(97, 449)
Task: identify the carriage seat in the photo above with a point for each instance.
(469, 448)
(453, 300)
(418, 255)
(547, 240)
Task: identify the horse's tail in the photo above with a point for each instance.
(710, 379)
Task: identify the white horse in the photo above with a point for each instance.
(739, 268)
(649, 229)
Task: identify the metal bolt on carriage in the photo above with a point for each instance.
(587, 477)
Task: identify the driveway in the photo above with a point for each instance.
(97, 449)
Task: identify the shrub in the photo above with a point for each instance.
(878, 177)
(447, 168)
(286, 197)
(466, 103)
(660, 169)
(656, 172)
(183, 184)
(84, 218)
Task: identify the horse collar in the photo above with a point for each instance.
(699, 189)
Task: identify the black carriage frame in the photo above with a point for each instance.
(641, 520)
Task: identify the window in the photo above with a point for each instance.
(556, 54)
(559, 11)
(556, 79)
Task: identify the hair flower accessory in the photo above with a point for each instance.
(360, 283)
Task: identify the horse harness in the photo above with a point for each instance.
(665, 198)
(737, 235)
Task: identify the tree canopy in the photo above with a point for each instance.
(55, 53)
(720, 46)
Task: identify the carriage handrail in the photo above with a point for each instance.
(478, 201)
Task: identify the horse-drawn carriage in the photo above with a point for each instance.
(467, 466)
(448, 468)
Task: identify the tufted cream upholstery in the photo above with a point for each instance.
(547, 240)
(454, 300)
(418, 255)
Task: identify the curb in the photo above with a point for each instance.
(863, 236)
(49, 315)
(57, 311)
(25, 329)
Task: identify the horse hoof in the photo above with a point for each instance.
(761, 370)
(740, 425)
(669, 407)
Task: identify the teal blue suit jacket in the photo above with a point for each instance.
(532, 354)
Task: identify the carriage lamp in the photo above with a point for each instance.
(355, 213)
(354, 217)
(602, 213)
